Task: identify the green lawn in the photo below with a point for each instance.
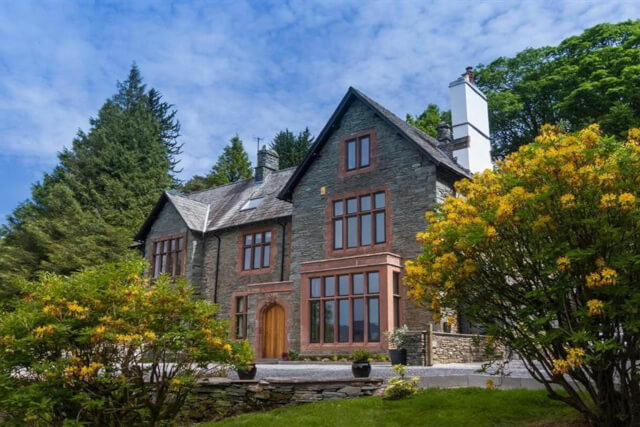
(435, 407)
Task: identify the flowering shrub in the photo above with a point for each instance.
(544, 251)
(108, 347)
(400, 387)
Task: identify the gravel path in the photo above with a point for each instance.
(343, 370)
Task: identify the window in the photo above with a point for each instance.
(358, 152)
(251, 203)
(241, 317)
(168, 257)
(359, 221)
(396, 300)
(345, 308)
(256, 250)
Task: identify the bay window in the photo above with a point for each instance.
(345, 308)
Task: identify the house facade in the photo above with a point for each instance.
(310, 259)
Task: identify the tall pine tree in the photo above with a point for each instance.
(232, 165)
(87, 210)
(291, 149)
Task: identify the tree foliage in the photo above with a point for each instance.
(106, 347)
(232, 165)
(86, 211)
(543, 251)
(291, 149)
(589, 78)
(429, 119)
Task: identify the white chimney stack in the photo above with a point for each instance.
(470, 124)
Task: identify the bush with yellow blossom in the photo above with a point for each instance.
(106, 346)
(544, 251)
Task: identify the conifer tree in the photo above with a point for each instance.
(291, 149)
(232, 165)
(87, 210)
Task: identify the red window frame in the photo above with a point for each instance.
(319, 334)
(249, 246)
(342, 219)
(168, 256)
(358, 144)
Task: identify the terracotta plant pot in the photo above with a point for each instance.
(398, 356)
(249, 373)
(361, 369)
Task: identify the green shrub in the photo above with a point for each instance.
(108, 347)
(361, 356)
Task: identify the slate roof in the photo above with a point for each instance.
(220, 207)
(427, 144)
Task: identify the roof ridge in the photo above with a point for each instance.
(233, 183)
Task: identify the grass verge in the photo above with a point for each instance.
(433, 407)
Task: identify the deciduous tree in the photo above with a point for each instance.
(590, 78)
(544, 252)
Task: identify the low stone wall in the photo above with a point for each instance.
(221, 397)
(428, 347)
(458, 348)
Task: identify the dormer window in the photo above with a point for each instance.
(252, 203)
(358, 153)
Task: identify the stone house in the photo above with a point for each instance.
(310, 259)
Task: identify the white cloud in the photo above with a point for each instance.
(253, 68)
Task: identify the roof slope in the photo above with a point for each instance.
(427, 144)
(220, 207)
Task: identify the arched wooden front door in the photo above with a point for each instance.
(273, 332)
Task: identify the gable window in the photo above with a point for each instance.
(256, 250)
(168, 257)
(358, 153)
(359, 221)
(241, 317)
(345, 308)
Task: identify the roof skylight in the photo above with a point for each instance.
(252, 204)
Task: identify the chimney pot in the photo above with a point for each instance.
(469, 76)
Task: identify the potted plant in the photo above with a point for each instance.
(360, 366)
(398, 354)
(247, 372)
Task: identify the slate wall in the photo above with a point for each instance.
(407, 173)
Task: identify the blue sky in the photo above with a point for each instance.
(250, 68)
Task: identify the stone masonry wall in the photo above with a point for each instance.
(168, 223)
(408, 174)
(224, 398)
(259, 286)
(444, 348)
(458, 348)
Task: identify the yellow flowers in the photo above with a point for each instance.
(608, 201)
(568, 201)
(175, 383)
(563, 263)
(227, 348)
(627, 201)
(595, 307)
(606, 276)
(150, 335)
(575, 358)
(41, 331)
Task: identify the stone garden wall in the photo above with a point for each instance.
(427, 347)
(221, 397)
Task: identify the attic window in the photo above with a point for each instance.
(252, 204)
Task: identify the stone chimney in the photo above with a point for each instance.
(268, 161)
(471, 146)
(444, 133)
